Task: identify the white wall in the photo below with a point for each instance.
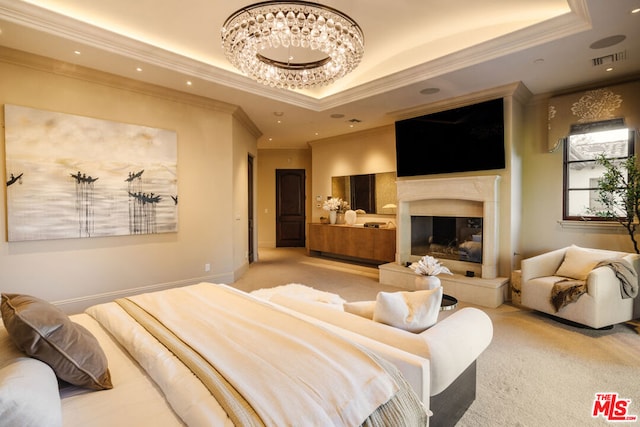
(212, 149)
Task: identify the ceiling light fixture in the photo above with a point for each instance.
(292, 44)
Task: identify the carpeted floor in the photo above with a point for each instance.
(536, 372)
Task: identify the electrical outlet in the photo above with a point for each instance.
(207, 267)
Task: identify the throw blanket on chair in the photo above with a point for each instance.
(625, 273)
(566, 291)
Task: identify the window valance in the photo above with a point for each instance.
(609, 102)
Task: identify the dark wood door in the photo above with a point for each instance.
(250, 254)
(290, 207)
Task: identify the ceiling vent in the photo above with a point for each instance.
(609, 59)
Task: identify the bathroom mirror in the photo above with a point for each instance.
(373, 193)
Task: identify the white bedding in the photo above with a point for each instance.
(197, 407)
(153, 387)
(135, 400)
(289, 371)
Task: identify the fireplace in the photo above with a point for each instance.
(447, 237)
(473, 198)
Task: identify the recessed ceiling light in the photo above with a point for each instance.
(279, 121)
(189, 83)
(430, 90)
(538, 61)
(608, 41)
(354, 122)
(138, 69)
(278, 113)
(609, 69)
(337, 116)
(636, 10)
(77, 52)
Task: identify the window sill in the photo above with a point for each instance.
(592, 225)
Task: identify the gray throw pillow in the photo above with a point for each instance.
(46, 333)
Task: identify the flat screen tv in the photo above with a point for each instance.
(469, 138)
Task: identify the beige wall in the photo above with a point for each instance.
(214, 140)
(244, 144)
(531, 186)
(268, 162)
(346, 155)
(370, 151)
(542, 197)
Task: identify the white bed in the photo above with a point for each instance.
(151, 386)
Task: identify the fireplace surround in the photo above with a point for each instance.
(473, 196)
(466, 196)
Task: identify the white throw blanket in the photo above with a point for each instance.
(291, 372)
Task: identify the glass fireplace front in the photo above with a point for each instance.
(456, 238)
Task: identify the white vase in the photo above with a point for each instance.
(427, 282)
(350, 217)
(332, 217)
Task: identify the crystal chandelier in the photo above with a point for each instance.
(292, 44)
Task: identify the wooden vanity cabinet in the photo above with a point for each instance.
(370, 244)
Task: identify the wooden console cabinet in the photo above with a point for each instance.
(370, 244)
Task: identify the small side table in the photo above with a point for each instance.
(448, 303)
(516, 281)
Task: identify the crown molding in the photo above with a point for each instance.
(47, 21)
(44, 64)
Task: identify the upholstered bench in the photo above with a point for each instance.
(452, 346)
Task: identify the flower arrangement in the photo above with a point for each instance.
(335, 204)
(429, 266)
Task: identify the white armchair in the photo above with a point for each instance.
(601, 306)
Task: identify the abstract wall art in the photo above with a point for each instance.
(70, 176)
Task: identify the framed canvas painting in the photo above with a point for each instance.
(70, 176)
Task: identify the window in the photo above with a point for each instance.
(581, 170)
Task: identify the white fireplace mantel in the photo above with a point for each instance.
(480, 188)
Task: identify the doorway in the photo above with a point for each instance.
(250, 223)
(290, 207)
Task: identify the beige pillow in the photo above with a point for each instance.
(361, 308)
(411, 311)
(46, 333)
(578, 262)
